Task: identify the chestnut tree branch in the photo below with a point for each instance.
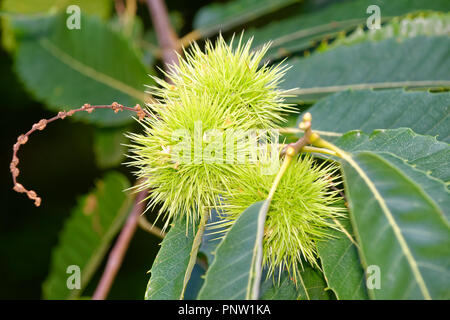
(167, 38)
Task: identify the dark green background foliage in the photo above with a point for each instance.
(393, 122)
(62, 164)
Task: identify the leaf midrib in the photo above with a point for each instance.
(372, 85)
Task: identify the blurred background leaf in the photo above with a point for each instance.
(86, 236)
(93, 64)
(222, 17)
(100, 8)
(109, 146)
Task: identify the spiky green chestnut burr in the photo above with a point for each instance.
(251, 91)
(300, 214)
(220, 90)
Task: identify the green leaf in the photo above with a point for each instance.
(400, 229)
(303, 29)
(432, 187)
(391, 192)
(100, 8)
(169, 268)
(424, 23)
(279, 289)
(312, 286)
(384, 64)
(398, 148)
(221, 17)
(230, 276)
(109, 146)
(341, 265)
(94, 64)
(424, 153)
(424, 112)
(87, 234)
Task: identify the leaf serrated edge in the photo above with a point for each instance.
(426, 173)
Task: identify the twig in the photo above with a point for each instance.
(294, 148)
(23, 138)
(167, 38)
(120, 248)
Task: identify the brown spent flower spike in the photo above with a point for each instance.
(23, 138)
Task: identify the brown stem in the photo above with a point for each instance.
(294, 148)
(120, 248)
(23, 138)
(167, 38)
